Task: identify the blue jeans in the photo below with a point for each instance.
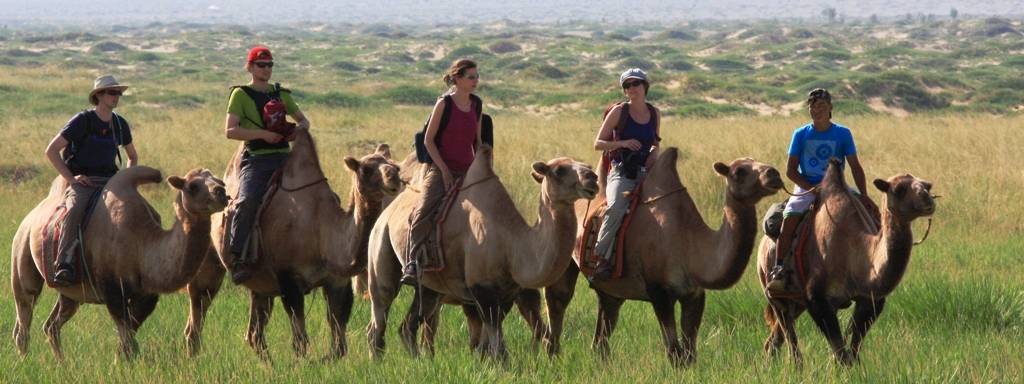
(618, 204)
(253, 180)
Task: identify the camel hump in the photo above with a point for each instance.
(134, 177)
(834, 173)
(481, 166)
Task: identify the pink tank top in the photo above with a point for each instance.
(458, 138)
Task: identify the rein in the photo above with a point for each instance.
(304, 186)
(662, 196)
(926, 232)
(807, 192)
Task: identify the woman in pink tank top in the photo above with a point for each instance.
(452, 149)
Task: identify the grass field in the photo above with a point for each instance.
(958, 316)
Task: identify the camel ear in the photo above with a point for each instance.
(352, 163)
(176, 182)
(722, 169)
(539, 170)
(384, 151)
(882, 185)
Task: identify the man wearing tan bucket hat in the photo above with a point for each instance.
(84, 154)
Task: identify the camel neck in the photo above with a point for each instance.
(892, 255)
(730, 246)
(180, 252)
(551, 250)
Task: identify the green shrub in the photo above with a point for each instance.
(709, 111)
(410, 95)
(337, 99)
(504, 47)
(726, 65)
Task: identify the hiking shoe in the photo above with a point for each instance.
(65, 276)
(409, 272)
(776, 279)
(603, 271)
(240, 271)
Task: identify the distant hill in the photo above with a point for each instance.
(476, 11)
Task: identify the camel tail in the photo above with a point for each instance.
(134, 177)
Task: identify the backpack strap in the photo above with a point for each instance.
(253, 95)
(621, 126)
(657, 122)
(118, 136)
(446, 114)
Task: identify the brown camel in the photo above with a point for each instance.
(487, 260)
(130, 258)
(672, 255)
(307, 240)
(847, 261)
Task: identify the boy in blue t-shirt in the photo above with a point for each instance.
(809, 152)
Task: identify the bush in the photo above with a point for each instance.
(471, 52)
(677, 35)
(709, 111)
(547, 71)
(636, 62)
(107, 46)
(346, 66)
(504, 47)
(337, 99)
(678, 65)
(410, 95)
(147, 57)
(726, 65)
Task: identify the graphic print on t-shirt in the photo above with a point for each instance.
(816, 155)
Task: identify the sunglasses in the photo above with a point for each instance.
(268, 64)
(114, 92)
(471, 77)
(631, 84)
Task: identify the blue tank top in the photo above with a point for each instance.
(644, 133)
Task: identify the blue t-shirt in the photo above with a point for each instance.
(815, 148)
(92, 143)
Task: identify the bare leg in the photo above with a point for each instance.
(607, 318)
(201, 291)
(528, 302)
(63, 310)
(864, 315)
(339, 310)
(260, 307)
(294, 303)
(691, 313)
(558, 297)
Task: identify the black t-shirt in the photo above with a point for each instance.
(92, 148)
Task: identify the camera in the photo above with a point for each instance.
(631, 163)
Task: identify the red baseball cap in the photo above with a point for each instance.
(260, 52)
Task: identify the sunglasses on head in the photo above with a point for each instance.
(631, 84)
(113, 92)
(267, 64)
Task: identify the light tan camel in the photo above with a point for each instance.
(847, 261)
(307, 241)
(487, 260)
(130, 258)
(672, 255)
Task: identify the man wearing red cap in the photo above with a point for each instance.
(265, 150)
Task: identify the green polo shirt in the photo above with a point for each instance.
(243, 106)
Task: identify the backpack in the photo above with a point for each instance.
(74, 145)
(273, 109)
(421, 148)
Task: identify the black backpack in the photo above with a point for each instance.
(421, 148)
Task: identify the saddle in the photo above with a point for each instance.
(53, 234)
(772, 225)
(434, 262)
(586, 242)
(253, 247)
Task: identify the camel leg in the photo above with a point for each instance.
(294, 303)
(260, 307)
(528, 302)
(117, 298)
(489, 305)
(339, 310)
(475, 324)
(824, 316)
(430, 323)
(425, 303)
(691, 312)
(383, 273)
(776, 335)
(664, 309)
(607, 317)
(558, 297)
(26, 284)
(63, 310)
(140, 308)
(789, 313)
(864, 315)
(201, 291)
(360, 286)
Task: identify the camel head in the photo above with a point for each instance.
(375, 175)
(201, 192)
(566, 180)
(907, 197)
(748, 180)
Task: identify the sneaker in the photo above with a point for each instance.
(409, 272)
(776, 279)
(64, 276)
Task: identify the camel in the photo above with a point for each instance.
(672, 255)
(847, 260)
(130, 258)
(487, 263)
(307, 241)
